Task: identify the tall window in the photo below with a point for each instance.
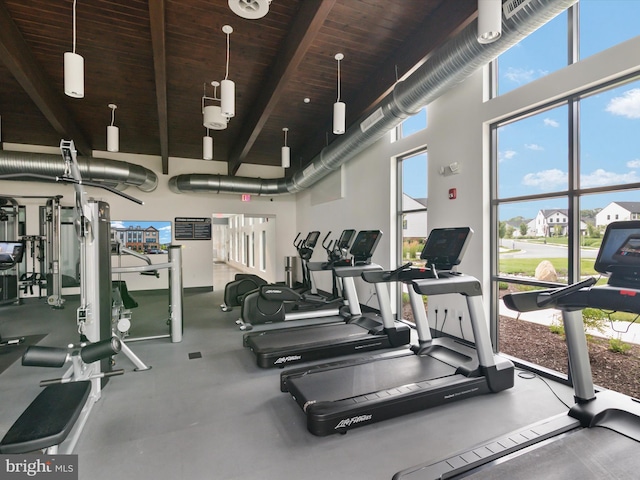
(412, 214)
(412, 124)
(536, 56)
(561, 175)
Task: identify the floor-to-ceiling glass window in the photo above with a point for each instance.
(562, 173)
(412, 215)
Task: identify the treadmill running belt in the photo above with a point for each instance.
(590, 453)
(341, 383)
(319, 335)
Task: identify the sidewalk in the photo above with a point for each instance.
(626, 331)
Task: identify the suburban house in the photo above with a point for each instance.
(414, 220)
(552, 222)
(618, 211)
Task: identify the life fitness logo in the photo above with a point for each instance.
(57, 467)
(347, 422)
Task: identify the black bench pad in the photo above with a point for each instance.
(48, 420)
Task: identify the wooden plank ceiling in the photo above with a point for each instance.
(153, 59)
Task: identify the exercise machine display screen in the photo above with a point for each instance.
(445, 247)
(364, 245)
(344, 242)
(311, 239)
(11, 252)
(619, 253)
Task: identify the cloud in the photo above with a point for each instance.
(506, 155)
(601, 177)
(634, 163)
(546, 179)
(533, 146)
(550, 122)
(117, 224)
(626, 105)
(522, 76)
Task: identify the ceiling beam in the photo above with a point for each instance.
(19, 59)
(158, 40)
(305, 27)
(442, 24)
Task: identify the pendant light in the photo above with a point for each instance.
(113, 132)
(489, 20)
(212, 114)
(339, 108)
(227, 87)
(286, 151)
(74, 67)
(207, 147)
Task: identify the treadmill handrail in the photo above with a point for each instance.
(449, 282)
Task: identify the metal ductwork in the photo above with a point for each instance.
(451, 64)
(38, 166)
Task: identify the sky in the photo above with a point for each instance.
(533, 152)
(163, 227)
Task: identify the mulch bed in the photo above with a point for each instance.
(537, 344)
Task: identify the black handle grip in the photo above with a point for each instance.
(99, 350)
(547, 298)
(390, 274)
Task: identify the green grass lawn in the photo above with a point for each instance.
(527, 266)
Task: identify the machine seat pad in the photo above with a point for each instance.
(48, 420)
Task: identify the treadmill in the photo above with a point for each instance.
(599, 437)
(337, 397)
(358, 333)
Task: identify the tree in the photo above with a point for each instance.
(523, 229)
(502, 229)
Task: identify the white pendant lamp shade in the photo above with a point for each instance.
(286, 157)
(113, 133)
(339, 117)
(73, 75)
(228, 98)
(207, 147)
(113, 138)
(489, 20)
(213, 118)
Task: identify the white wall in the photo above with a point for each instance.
(163, 205)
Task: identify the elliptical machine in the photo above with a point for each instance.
(274, 304)
(243, 283)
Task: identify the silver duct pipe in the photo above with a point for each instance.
(27, 166)
(451, 64)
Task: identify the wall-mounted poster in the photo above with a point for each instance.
(193, 228)
(148, 237)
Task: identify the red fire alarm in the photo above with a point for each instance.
(452, 193)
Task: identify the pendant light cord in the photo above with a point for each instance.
(226, 75)
(74, 26)
(338, 81)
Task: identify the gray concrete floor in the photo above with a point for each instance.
(221, 417)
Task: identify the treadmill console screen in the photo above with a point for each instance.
(619, 254)
(364, 245)
(311, 239)
(344, 242)
(445, 247)
(11, 252)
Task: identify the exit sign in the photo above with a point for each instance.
(246, 197)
